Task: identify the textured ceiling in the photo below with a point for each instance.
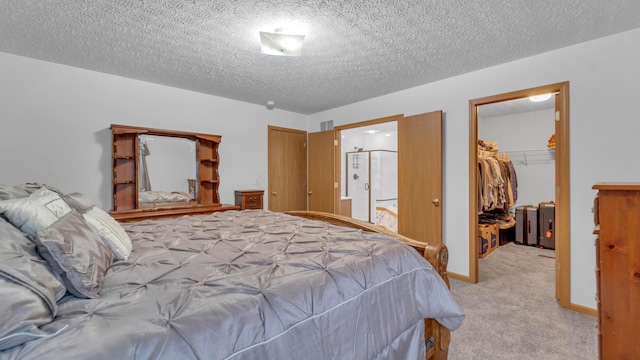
(354, 50)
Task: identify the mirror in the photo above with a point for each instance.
(163, 173)
(166, 171)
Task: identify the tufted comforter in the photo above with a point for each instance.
(252, 285)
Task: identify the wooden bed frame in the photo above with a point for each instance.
(436, 336)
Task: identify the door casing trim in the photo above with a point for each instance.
(562, 217)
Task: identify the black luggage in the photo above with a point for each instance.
(546, 225)
(527, 225)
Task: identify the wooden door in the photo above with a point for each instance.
(420, 177)
(322, 179)
(563, 186)
(558, 200)
(287, 165)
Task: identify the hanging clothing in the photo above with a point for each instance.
(497, 184)
(145, 181)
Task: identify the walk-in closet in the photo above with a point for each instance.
(516, 174)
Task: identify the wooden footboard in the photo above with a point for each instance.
(436, 336)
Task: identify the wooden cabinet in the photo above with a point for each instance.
(345, 207)
(249, 199)
(617, 218)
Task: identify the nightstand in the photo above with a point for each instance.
(249, 199)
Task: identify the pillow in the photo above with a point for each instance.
(79, 202)
(110, 231)
(28, 288)
(31, 187)
(8, 192)
(34, 212)
(76, 253)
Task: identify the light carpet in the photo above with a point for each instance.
(512, 312)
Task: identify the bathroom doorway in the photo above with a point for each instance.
(369, 174)
(371, 182)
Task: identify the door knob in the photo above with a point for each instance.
(436, 202)
(274, 193)
(310, 192)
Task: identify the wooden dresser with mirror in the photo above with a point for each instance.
(164, 173)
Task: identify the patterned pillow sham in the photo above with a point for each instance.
(29, 289)
(102, 223)
(34, 212)
(76, 253)
(79, 202)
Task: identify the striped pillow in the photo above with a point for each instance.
(110, 231)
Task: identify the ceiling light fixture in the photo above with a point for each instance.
(372, 131)
(540, 98)
(279, 43)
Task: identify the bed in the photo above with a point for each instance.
(387, 217)
(162, 197)
(229, 285)
(387, 213)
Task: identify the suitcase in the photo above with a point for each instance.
(520, 224)
(532, 225)
(546, 225)
(527, 225)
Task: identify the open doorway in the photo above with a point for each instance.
(369, 173)
(516, 138)
(561, 180)
(419, 159)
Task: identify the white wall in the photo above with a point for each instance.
(604, 121)
(55, 126)
(535, 167)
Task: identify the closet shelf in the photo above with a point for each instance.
(527, 156)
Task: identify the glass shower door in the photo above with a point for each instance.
(383, 180)
(358, 186)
